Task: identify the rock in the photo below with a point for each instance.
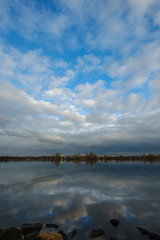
(52, 225)
(72, 234)
(114, 222)
(96, 233)
(143, 230)
(28, 228)
(154, 236)
(63, 235)
(31, 236)
(2, 231)
(49, 236)
(10, 233)
(113, 238)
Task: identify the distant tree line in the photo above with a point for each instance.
(89, 158)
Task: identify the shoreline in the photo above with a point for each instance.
(91, 158)
(37, 231)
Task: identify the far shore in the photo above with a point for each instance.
(90, 158)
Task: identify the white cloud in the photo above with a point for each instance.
(7, 64)
(140, 8)
(87, 72)
(51, 138)
(4, 16)
(61, 64)
(137, 69)
(88, 63)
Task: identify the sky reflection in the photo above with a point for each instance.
(82, 196)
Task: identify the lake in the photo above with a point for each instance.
(82, 196)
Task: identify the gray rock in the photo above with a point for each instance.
(114, 222)
(72, 234)
(52, 225)
(10, 233)
(63, 235)
(154, 236)
(96, 233)
(29, 228)
(31, 236)
(113, 238)
(143, 231)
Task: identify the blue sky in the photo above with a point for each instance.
(79, 76)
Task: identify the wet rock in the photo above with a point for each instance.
(49, 236)
(143, 231)
(31, 236)
(29, 228)
(113, 238)
(2, 231)
(10, 233)
(72, 234)
(154, 236)
(114, 222)
(52, 225)
(96, 233)
(63, 235)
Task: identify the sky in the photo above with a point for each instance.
(79, 76)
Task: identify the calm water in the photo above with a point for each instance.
(82, 196)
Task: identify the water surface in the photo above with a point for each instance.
(82, 196)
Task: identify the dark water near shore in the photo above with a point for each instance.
(82, 196)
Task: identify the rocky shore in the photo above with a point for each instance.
(30, 231)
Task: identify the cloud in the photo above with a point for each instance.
(88, 63)
(101, 126)
(79, 76)
(7, 64)
(51, 139)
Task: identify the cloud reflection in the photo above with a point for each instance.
(82, 196)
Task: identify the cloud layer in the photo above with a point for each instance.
(79, 76)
